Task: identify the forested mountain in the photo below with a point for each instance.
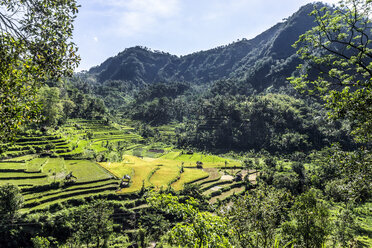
(231, 97)
(266, 60)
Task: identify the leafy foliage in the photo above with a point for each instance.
(34, 46)
(10, 202)
(92, 223)
(345, 176)
(339, 45)
(309, 223)
(229, 98)
(274, 122)
(256, 216)
(198, 229)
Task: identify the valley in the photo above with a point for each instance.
(262, 142)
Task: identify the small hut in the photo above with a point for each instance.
(238, 177)
(199, 164)
(125, 181)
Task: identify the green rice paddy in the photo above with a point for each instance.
(151, 165)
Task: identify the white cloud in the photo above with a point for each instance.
(130, 17)
(95, 38)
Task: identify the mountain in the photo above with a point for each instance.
(265, 60)
(211, 96)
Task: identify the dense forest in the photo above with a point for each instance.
(259, 143)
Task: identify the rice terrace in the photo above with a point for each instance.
(43, 177)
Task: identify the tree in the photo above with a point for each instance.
(40, 242)
(194, 190)
(309, 224)
(52, 109)
(338, 63)
(198, 229)
(93, 222)
(35, 45)
(353, 181)
(256, 216)
(11, 201)
(344, 227)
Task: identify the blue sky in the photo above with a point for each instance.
(104, 28)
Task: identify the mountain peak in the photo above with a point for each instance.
(255, 61)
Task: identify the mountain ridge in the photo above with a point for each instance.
(267, 59)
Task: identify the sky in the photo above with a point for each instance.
(103, 28)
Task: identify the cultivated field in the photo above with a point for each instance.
(54, 168)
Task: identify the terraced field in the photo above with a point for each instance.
(227, 194)
(72, 140)
(209, 161)
(96, 136)
(166, 171)
(43, 180)
(86, 189)
(25, 146)
(190, 175)
(147, 171)
(40, 165)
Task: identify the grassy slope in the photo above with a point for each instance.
(208, 160)
(86, 170)
(189, 175)
(227, 194)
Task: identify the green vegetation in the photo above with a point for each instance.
(212, 149)
(215, 229)
(86, 170)
(43, 179)
(27, 38)
(157, 172)
(188, 176)
(340, 44)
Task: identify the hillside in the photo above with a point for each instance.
(262, 61)
(215, 94)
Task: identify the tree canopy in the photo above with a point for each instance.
(11, 201)
(198, 229)
(338, 63)
(35, 45)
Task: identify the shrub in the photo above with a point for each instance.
(130, 205)
(32, 150)
(216, 193)
(55, 207)
(42, 188)
(101, 158)
(50, 146)
(39, 148)
(54, 155)
(113, 157)
(199, 165)
(76, 202)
